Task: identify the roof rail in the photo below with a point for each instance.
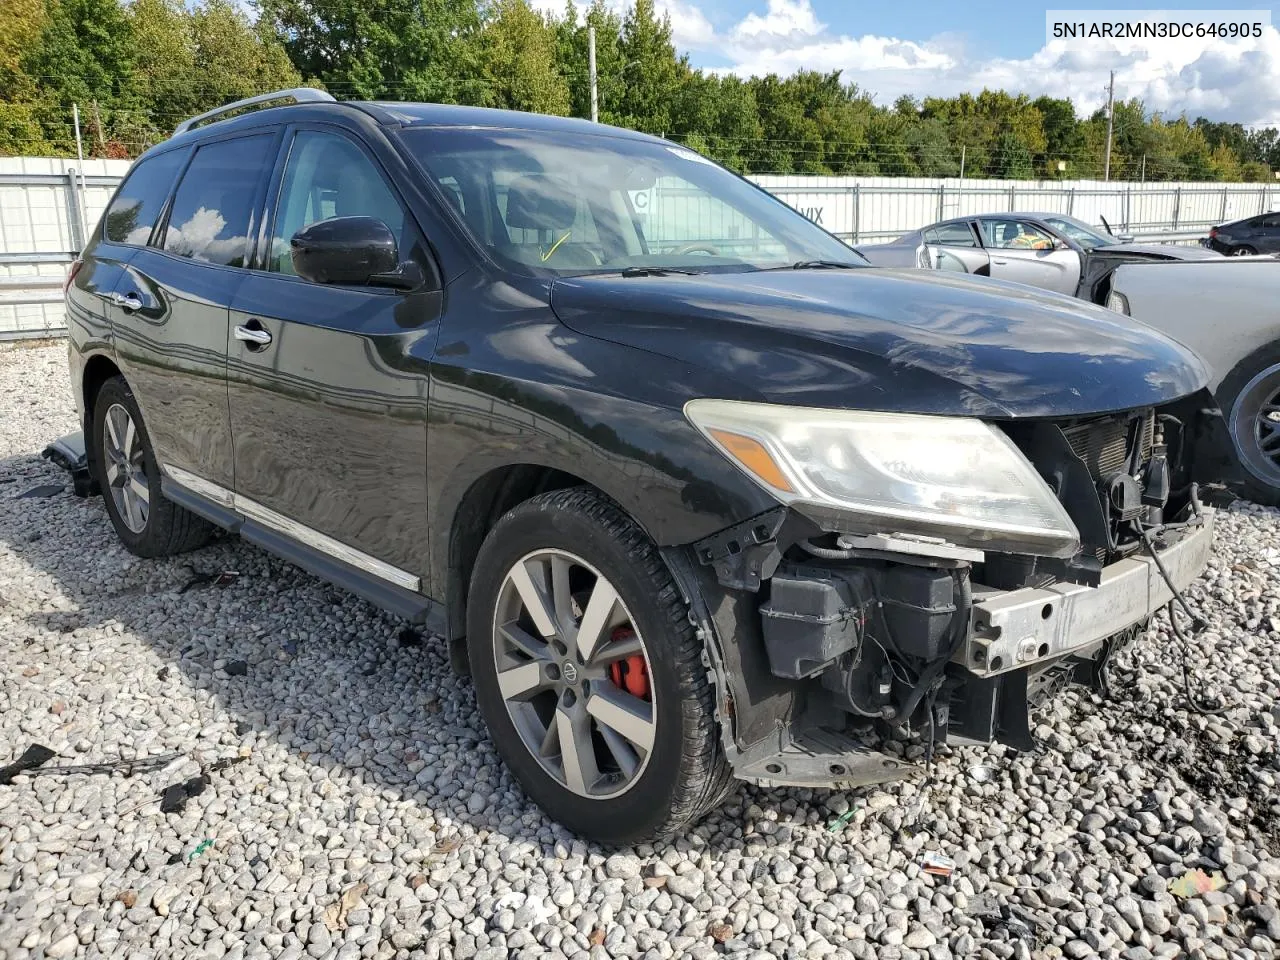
(297, 95)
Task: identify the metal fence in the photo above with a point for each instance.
(874, 209)
(47, 206)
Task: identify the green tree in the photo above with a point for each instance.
(383, 49)
(931, 149)
(518, 57)
(651, 71)
(165, 86)
(83, 55)
(574, 64)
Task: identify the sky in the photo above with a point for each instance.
(945, 47)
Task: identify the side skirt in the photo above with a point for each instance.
(395, 599)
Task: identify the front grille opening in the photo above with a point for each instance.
(1103, 444)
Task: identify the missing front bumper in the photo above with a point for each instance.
(1012, 630)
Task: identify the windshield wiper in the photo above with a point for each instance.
(657, 271)
(824, 265)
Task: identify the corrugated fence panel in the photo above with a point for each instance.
(40, 232)
(40, 229)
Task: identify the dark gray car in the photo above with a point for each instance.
(1048, 250)
(1243, 238)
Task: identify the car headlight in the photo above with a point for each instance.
(1118, 302)
(862, 472)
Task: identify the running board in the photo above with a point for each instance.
(821, 758)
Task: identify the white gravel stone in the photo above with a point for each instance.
(366, 763)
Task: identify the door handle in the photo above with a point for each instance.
(999, 261)
(252, 332)
(126, 301)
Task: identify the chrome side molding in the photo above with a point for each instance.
(267, 517)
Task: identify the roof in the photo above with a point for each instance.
(390, 113)
(454, 115)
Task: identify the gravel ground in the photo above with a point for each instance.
(369, 816)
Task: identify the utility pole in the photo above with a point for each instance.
(591, 67)
(97, 122)
(84, 229)
(1143, 176)
(1111, 116)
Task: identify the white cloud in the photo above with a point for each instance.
(1227, 80)
(690, 28)
(784, 21)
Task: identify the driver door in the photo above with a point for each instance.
(328, 398)
(1026, 253)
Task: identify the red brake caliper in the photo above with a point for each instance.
(629, 673)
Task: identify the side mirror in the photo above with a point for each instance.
(348, 251)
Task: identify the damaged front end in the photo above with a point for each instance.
(833, 635)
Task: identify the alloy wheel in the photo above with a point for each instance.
(1255, 425)
(574, 674)
(126, 468)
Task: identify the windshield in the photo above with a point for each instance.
(1080, 232)
(583, 203)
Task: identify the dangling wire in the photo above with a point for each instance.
(1197, 624)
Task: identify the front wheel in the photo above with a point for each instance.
(588, 673)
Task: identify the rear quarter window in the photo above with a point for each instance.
(135, 208)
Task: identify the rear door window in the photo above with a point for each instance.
(951, 235)
(135, 208)
(213, 209)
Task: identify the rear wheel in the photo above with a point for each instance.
(129, 477)
(588, 673)
(1251, 394)
(1242, 251)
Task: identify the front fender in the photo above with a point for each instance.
(640, 452)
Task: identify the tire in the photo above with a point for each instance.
(1248, 394)
(684, 773)
(165, 528)
(1242, 251)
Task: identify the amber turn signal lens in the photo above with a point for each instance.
(752, 455)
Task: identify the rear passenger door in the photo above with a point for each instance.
(955, 246)
(171, 331)
(127, 227)
(328, 403)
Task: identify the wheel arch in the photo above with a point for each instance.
(98, 369)
(481, 505)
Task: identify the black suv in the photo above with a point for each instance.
(691, 491)
(1246, 237)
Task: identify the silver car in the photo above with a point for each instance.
(1048, 250)
(1229, 313)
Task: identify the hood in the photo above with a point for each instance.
(908, 341)
(1168, 250)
